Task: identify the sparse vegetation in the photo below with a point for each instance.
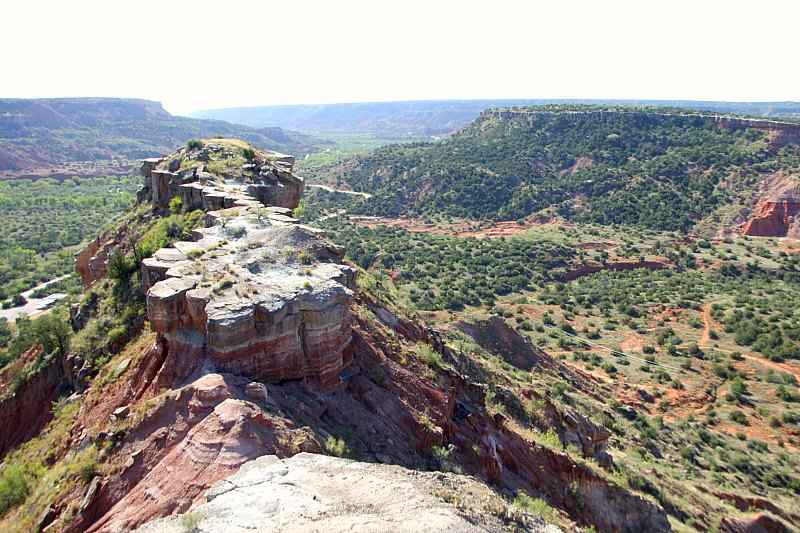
(194, 144)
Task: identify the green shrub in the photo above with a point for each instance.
(337, 446)
(15, 486)
(121, 268)
(739, 417)
(305, 257)
(190, 522)
(248, 153)
(428, 355)
(194, 144)
(117, 334)
(535, 506)
(176, 205)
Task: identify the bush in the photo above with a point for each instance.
(194, 144)
(248, 153)
(338, 447)
(428, 355)
(121, 268)
(117, 334)
(15, 486)
(739, 417)
(190, 522)
(535, 506)
(175, 205)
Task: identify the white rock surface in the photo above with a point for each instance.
(311, 492)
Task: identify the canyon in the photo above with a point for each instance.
(259, 365)
(262, 345)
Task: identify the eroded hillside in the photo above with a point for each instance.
(665, 170)
(216, 329)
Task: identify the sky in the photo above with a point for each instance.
(193, 55)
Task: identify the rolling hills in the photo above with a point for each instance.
(94, 136)
(660, 169)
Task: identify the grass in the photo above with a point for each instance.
(428, 355)
(190, 522)
(337, 446)
(16, 481)
(536, 506)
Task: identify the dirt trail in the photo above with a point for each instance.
(707, 322)
(340, 191)
(780, 367)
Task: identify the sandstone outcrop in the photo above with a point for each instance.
(777, 213)
(256, 293)
(195, 436)
(760, 523)
(497, 337)
(307, 493)
(266, 176)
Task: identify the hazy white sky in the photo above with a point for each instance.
(199, 54)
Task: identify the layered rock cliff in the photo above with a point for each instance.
(777, 210)
(255, 293)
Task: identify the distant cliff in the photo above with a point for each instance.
(77, 136)
(438, 117)
(782, 132)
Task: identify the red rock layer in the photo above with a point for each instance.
(196, 436)
(25, 412)
(772, 218)
(587, 269)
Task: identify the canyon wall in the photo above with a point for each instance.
(26, 410)
(780, 132)
(776, 213)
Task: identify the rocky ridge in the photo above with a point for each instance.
(259, 345)
(256, 292)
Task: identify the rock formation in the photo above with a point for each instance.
(776, 213)
(266, 177)
(494, 335)
(256, 293)
(195, 436)
(306, 492)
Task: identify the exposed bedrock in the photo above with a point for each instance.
(192, 437)
(776, 213)
(257, 293)
(305, 493)
(187, 173)
(773, 219)
(26, 410)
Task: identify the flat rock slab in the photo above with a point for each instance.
(311, 492)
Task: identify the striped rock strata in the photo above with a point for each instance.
(255, 293)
